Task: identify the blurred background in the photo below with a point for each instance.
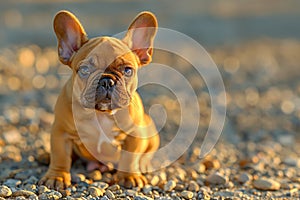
(256, 46)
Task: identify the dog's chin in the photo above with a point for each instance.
(110, 108)
(106, 108)
(103, 107)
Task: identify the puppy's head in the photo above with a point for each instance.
(104, 68)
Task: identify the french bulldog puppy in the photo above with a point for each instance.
(99, 115)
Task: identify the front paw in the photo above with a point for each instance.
(130, 180)
(56, 180)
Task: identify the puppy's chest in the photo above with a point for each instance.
(101, 138)
(110, 139)
(109, 131)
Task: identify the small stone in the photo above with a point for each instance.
(23, 175)
(109, 194)
(147, 189)
(11, 152)
(211, 164)
(51, 195)
(203, 195)
(244, 178)
(193, 174)
(104, 198)
(130, 193)
(187, 194)
(78, 195)
(216, 179)
(30, 187)
(31, 180)
(95, 175)
(42, 189)
(180, 173)
(170, 185)
(101, 185)
(33, 197)
(193, 186)
(24, 193)
(266, 184)
(5, 191)
(12, 136)
(293, 162)
(114, 187)
(199, 167)
(95, 192)
(139, 197)
(225, 194)
(179, 187)
(12, 182)
(77, 178)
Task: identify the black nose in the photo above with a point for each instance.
(106, 83)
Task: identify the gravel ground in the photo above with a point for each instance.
(257, 157)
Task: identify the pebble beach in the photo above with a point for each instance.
(257, 156)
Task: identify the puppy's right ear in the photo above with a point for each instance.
(70, 35)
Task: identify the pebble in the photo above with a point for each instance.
(104, 198)
(42, 189)
(5, 191)
(216, 179)
(193, 186)
(23, 175)
(31, 180)
(12, 182)
(199, 167)
(147, 189)
(187, 194)
(101, 185)
(244, 177)
(131, 193)
(266, 184)
(203, 195)
(31, 187)
(293, 162)
(114, 187)
(211, 164)
(77, 178)
(95, 175)
(169, 186)
(109, 194)
(12, 136)
(226, 194)
(139, 197)
(50, 195)
(24, 193)
(179, 187)
(95, 192)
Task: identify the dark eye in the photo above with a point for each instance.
(128, 71)
(84, 71)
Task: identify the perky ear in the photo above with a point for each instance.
(140, 36)
(70, 35)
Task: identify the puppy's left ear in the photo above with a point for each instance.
(140, 36)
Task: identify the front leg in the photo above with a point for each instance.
(129, 173)
(58, 175)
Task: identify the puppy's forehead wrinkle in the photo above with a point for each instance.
(104, 50)
(107, 51)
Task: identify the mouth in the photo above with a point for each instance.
(104, 105)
